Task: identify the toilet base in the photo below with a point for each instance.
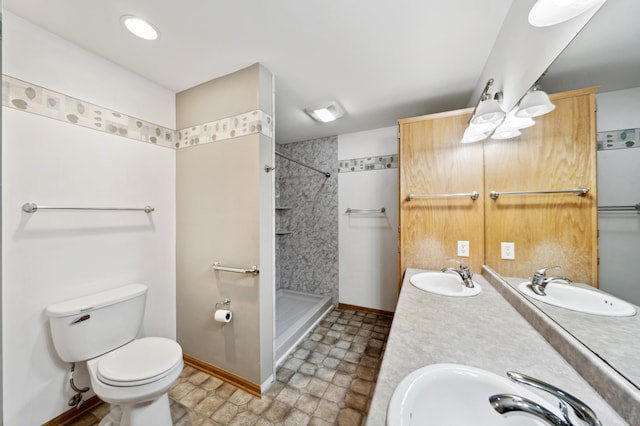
(155, 412)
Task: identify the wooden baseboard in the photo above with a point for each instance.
(223, 375)
(74, 414)
(363, 309)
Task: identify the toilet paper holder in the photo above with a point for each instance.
(225, 302)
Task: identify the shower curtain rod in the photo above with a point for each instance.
(327, 174)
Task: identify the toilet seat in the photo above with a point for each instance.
(139, 362)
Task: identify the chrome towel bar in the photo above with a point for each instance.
(251, 270)
(33, 207)
(635, 208)
(576, 191)
(364, 211)
(473, 195)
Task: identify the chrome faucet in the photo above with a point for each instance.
(464, 272)
(507, 403)
(540, 280)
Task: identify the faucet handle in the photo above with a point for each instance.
(462, 266)
(543, 271)
(580, 409)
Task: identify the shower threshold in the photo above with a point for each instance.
(296, 315)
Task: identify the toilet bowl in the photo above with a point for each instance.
(132, 374)
(135, 379)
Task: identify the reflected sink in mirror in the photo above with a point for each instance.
(444, 284)
(577, 298)
(455, 394)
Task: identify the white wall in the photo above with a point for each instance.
(618, 183)
(368, 243)
(53, 256)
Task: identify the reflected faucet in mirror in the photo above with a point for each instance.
(464, 272)
(540, 280)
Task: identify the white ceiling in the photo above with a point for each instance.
(381, 60)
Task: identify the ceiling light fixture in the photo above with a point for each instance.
(139, 27)
(551, 12)
(325, 113)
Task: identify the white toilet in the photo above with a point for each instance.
(133, 375)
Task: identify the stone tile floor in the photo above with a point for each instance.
(327, 380)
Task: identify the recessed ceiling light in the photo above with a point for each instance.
(139, 27)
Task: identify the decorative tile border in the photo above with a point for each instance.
(232, 127)
(619, 139)
(20, 95)
(24, 96)
(368, 163)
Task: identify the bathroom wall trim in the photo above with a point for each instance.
(365, 310)
(73, 414)
(223, 375)
(27, 97)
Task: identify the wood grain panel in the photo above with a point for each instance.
(558, 153)
(433, 161)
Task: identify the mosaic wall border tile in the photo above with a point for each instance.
(227, 128)
(619, 139)
(368, 163)
(24, 96)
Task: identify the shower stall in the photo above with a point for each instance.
(306, 238)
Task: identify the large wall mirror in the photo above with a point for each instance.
(606, 53)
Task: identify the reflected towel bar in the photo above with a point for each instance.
(364, 211)
(635, 208)
(251, 270)
(473, 195)
(576, 191)
(33, 207)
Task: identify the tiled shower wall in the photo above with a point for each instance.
(307, 218)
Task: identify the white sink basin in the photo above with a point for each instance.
(575, 298)
(454, 394)
(443, 283)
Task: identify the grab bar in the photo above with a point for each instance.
(364, 211)
(473, 195)
(635, 208)
(33, 207)
(577, 191)
(251, 270)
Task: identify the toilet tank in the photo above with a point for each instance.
(89, 326)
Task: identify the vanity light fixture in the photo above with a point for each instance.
(487, 109)
(485, 116)
(505, 133)
(139, 27)
(551, 12)
(535, 103)
(325, 113)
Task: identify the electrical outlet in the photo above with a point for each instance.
(463, 248)
(508, 251)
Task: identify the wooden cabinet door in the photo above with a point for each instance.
(432, 161)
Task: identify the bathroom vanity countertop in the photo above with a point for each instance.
(483, 331)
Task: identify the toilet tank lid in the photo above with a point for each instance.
(95, 301)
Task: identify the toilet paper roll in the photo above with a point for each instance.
(223, 315)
